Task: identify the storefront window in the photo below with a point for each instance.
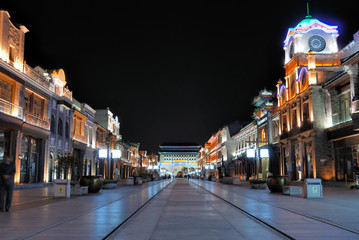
(343, 163)
(4, 144)
(29, 169)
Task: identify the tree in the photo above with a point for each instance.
(70, 162)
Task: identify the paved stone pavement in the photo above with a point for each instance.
(296, 216)
(36, 215)
(180, 211)
(185, 211)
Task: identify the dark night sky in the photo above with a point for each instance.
(173, 70)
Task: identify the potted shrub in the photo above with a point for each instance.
(258, 183)
(109, 184)
(94, 183)
(276, 183)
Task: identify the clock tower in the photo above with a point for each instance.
(311, 59)
(310, 36)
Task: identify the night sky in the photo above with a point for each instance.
(173, 71)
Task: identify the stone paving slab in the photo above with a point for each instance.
(85, 217)
(273, 209)
(184, 211)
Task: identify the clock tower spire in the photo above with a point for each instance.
(308, 15)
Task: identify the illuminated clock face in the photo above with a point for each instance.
(316, 43)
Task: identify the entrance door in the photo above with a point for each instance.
(29, 169)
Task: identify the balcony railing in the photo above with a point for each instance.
(38, 78)
(11, 109)
(79, 137)
(63, 92)
(37, 121)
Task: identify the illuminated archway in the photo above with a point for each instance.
(303, 79)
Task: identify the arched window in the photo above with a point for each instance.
(52, 124)
(60, 128)
(304, 79)
(282, 95)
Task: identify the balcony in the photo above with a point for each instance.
(11, 109)
(64, 92)
(79, 137)
(37, 121)
(37, 77)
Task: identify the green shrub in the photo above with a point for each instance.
(257, 181)
(109, 181)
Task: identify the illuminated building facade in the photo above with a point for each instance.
(108, 140)
(221, 152)
(341, 96)
(245, 142)
(60, 141)
(90, 156)
(263, 104)
(311, 59)
(25, 94)
(174, 156)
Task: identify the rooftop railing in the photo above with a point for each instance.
(37, 77)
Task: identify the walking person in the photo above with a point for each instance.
(7, 172)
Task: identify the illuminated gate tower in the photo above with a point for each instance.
(175, 156)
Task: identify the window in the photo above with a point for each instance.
(264, 136)
(284, 123)
(52, 126)
(305, 113)
(67, 130)
(293, 89)
(294, 118)
(341, 113)
(60, 128)
(5, 90)
(12, 54)
(27, 102)
(38, 106)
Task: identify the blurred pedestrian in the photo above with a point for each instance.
(7, 172)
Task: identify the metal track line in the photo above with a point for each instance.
(301, 214)
(250, 215)
(128, 218)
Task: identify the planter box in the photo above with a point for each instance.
(236, 181)
(258, 185)
(109, 186)
(293, 190)
(227, 180)
(94, 183)
(276, 183)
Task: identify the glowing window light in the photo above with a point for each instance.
(116, 153)
(251, 153)
(264, 153)
(102, 153)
